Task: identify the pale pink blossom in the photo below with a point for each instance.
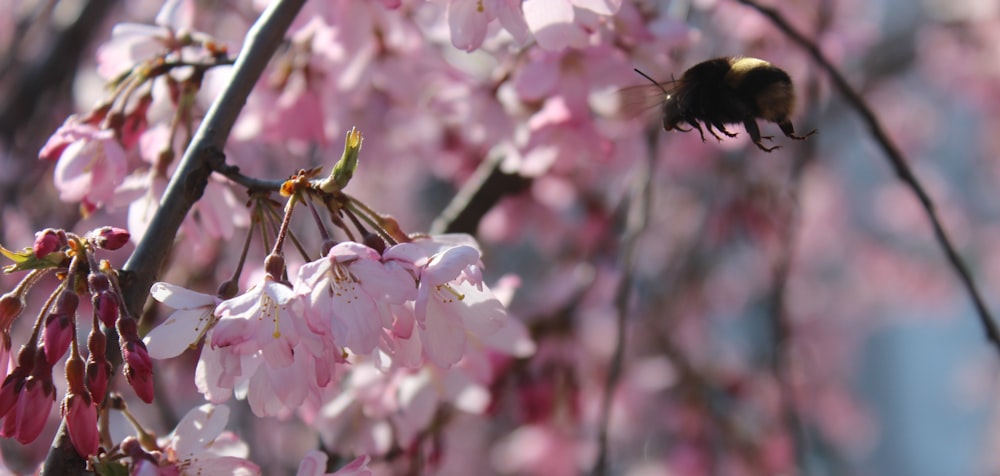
(73, 129)
(348, 292)
(199, 444)
(132, 43)
(91, 167)
(468, 21)
(560, 24)
(262, 351)
(452, 301)
(182, 329)
(314, 464)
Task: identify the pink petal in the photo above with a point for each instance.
(443, 335)
(600, 7)
(177, 333)
(552, 22)
(512, 19)
(468, 24)
(447, 266)
(312, 464)
(180, 298)
(199, 427)
(482, 313)
(176, 14)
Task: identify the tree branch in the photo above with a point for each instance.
(897, 162)
(640, 202)
(479, 194)
(188, 183)
(205, 152)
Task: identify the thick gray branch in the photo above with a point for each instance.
(188, 184)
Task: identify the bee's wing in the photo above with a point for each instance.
(644, 101)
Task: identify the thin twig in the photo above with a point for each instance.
(638, 217)
(205, 152)
(897, 161)
(188, 184)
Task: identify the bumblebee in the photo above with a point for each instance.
(730, 90)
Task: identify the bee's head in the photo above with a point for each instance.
(671, 113)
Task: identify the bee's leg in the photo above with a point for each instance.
(708, 125)
(722, 128)
(754, 131)
(698, 126)
(789, 131)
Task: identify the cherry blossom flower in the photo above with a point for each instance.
(199, 444)
(262, 350)
(348, 292)
(468, 21)
(132, 43)
(560, 24)
(191, 321)
(452, 300)
(314, 464)
(91, 167)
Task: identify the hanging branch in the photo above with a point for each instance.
(640, 201)
(187, 185)
(903, 171)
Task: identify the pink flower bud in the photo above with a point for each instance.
(98, 368)
(98, 374)
(47, 241)
(11, 306)
(11, 389)
(106, 305)
(59, 326)
(33, 408)
(138, 364)
(80, 414)
(109, 237)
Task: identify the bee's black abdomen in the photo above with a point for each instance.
(765, 89)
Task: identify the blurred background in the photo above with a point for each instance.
(790, 313)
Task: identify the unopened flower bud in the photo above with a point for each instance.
(80, 415)
(138, 365)
(109, 237)
(106, 305)
(98, 368)
(47, 241)
(59, 326)
(11, 305)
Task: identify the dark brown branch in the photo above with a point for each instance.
(479, 194)
(898, 163)
(189, 181)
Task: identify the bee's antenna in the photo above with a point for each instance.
(644, 75)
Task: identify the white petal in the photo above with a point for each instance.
(180, 298)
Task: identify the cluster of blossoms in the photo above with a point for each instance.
(280, 344)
